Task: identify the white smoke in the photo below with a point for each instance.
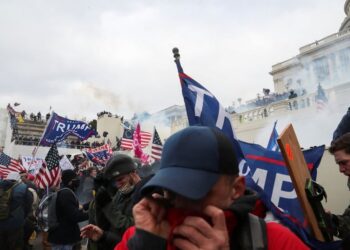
(312, 127)
(104, 96)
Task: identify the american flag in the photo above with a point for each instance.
(8, 164)
(320, 98)
(127, 139)
(157, 147)
(49, 174)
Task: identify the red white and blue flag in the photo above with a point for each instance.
(320, 98)
(8, 164)
(99, 155)
(157, 146)
(49, 174)
(128, 139)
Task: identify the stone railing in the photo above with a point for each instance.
(287, 63)
(273, 109)
(324, 40)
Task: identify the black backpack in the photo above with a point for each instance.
(46, 212)
(5, 200)
(253, 235)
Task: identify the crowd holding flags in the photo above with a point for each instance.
(259, 165)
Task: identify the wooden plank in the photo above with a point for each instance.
(299, 173)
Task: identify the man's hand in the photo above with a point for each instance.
(150, 216)
(197, 233)
(92, 232)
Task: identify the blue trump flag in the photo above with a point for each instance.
(204, 109)
(269, 171)
(58, 128)
(273, 145)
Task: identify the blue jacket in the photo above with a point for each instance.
(20, 205)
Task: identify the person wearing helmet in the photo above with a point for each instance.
(120, 175)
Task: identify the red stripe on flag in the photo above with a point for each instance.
(273, 161)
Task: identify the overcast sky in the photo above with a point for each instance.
(81, 57)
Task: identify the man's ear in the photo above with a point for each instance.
(238, 188)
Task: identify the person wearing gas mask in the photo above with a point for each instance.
(120, 174)
(67, 234)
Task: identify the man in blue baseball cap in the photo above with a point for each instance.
(204, 203)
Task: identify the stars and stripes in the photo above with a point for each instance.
(157, 146)
(145, 138)
(8, 164)
(49, 174)
(127, 139)
(320, 98)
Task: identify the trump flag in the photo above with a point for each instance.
(58, 128)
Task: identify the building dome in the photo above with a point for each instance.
(346, 23)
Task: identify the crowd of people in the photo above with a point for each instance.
(109, 114)
(195, 200)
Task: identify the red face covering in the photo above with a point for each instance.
(176, 216)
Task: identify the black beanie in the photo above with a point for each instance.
(119, 165)
(67, 176)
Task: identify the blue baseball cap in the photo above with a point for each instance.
(192, 161)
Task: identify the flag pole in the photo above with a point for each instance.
(177, 60)
(37, 146)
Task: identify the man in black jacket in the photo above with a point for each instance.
(120, 173)
(67, 233)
